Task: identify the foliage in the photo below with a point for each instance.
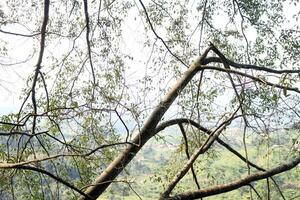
(90, 73)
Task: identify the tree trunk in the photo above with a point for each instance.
(147, 131)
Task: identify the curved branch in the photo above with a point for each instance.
(256, 192)
(172, 122)
(58, 179)
(235, 184)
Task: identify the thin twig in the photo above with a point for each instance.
(188, 154)
(157, 36)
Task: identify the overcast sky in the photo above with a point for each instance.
(13, 77)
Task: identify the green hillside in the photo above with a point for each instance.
(158, 162)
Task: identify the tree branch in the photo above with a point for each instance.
(146, 132)
(87, 21)
(188, 154)
(39, 62)
(248, 66)
(58, 179)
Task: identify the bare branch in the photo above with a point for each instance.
(236, 184)
(58, 179)
(39, 62)
(87, 21)
(19, 34)
(188, 154)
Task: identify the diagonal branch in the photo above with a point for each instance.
(172, 122)
(150, 127)
(146, 132)
(240, 98)
(58, 179)
(188, 154)
(235, 184)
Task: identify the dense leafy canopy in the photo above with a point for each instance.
(95, 78)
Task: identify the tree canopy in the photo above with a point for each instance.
(97, 80)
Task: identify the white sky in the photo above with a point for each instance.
(12, 78)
